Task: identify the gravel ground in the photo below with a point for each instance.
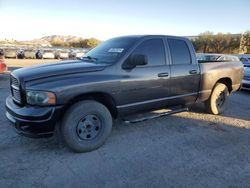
(189, 149)
(27, 62)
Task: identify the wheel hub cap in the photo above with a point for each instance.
(88, 127)
(221, 99)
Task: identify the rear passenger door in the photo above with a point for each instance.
(185, 72)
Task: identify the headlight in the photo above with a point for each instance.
(42, 98)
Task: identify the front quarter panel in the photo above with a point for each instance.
(67, 87)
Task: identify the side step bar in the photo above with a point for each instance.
(149, 117)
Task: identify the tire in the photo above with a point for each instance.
(86, 126)
(217, 102)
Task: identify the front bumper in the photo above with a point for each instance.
(245, 84)
(30, 121)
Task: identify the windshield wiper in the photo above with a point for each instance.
(90, 58)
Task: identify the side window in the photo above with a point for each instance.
(154, 50)
(179, 52)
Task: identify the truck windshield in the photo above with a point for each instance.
(110, 51)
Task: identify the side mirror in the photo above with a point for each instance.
(134, 60)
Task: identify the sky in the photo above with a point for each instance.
(103, 19)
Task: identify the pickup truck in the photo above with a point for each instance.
(121, 76)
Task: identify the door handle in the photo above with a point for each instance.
(163, 74)
(193, 72)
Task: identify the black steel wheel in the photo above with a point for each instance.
(216, 103)
(89, 127)
(86, 126)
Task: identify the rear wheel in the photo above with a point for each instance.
(216, 103)
(86, 126)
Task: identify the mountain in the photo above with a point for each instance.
(47, 40)
(64, 38)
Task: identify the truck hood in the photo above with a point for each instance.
(56, 69)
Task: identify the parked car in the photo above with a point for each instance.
(72, 54)
(30, 54)
(246, 79)
(39, 54)
(245, 61)
(76, 53)
(121, 76)
(3, 66)
(62, 54)
(20, 54)
(10, 53)
(244, 55)
(48, 54)
(206, 57)
(80, 53)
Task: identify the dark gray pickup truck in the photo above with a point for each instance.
(121, 76)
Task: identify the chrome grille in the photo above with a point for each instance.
(14, 81)
(16, 94)
(15, 89)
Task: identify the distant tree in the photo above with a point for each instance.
(203, 41)
(234, 45)
(92, 42)
(76, 43)
(84, 43)
(245, 43)
(220, 42)
(57, 42)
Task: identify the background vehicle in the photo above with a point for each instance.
(20, 54)
(80, 53)
(3, 66)
(72, 54)
(246, 79)
(62, 54)
(10, 53)
(245, 61)
(121, 76)
(30, 54)
(244, 55)
(39, 54)
(48, 54)
(205, 57)
(57, 54)
(76, 53)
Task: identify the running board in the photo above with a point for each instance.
(149, 117)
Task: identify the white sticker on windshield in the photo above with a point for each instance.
(116, 50)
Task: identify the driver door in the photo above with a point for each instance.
(147, 86)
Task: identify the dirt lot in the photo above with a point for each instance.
(17, 63)
(189, 149)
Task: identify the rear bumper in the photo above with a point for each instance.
(30, 121)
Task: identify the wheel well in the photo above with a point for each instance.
(227, 82)
(103, 98)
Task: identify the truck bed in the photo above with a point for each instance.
(211, 72)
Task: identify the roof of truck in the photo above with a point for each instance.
(142, 36)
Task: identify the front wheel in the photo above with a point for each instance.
(216, 103)
(86, 126)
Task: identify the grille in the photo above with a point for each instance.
(16, 94)
(15, 89)
(14, 81)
